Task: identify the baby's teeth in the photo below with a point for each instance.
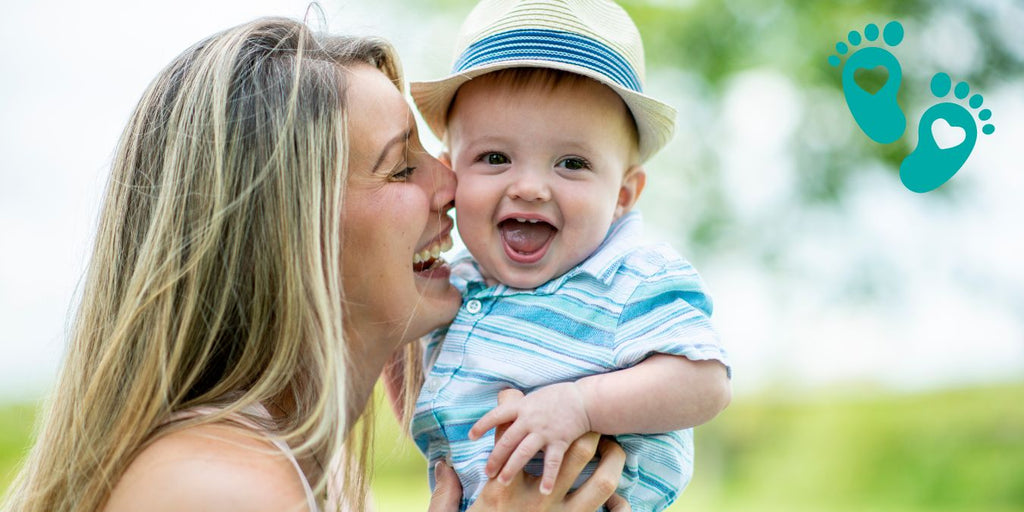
(518, 219)
(533, 221)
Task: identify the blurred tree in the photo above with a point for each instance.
(715, 40)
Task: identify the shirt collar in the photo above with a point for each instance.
(622, 236)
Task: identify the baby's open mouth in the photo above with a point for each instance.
(430, 257)
(526, 236)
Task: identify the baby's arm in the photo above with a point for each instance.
(660, 394)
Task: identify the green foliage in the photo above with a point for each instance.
(713, 42)
(16, 424)
(954, 451)
(949, 451)
(717, 39)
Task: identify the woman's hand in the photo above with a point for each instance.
(523, 494)
(447, 491)
(548, 419)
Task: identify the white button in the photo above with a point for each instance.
(432, 384)
(473, 306)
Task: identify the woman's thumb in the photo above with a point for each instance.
(447, 490)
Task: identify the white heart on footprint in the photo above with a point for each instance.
(947, 136)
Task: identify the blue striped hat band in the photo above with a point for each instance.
(552, 46)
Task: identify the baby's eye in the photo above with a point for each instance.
(495, 159)
(574, 164)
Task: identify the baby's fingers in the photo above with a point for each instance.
(517, 461)
(498, 416)
(553, 454)
(503, 447)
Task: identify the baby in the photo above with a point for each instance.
(546, 128)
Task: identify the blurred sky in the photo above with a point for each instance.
(950, 310)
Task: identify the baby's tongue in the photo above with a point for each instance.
(526, 237)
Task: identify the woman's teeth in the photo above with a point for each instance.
(433, 251)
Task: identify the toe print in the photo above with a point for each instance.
(876, 112)
(947, 134)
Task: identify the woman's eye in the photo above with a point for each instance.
(403, 174)
(496, 159)
(574, 164)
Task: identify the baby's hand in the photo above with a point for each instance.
(548, 419)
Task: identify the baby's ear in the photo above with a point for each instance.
(632, 186)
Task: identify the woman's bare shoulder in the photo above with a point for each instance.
(209, 467)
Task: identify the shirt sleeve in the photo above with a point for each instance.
(669, 312)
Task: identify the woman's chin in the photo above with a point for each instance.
(437, 304)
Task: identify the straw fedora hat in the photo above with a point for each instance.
(593, 38)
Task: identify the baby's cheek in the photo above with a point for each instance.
(469, 221)
(468, 204)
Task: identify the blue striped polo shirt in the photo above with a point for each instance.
(628, 300)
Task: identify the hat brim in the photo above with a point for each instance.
(655, 121)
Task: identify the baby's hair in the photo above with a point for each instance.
(545, 80)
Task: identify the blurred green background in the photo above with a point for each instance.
(838, 451)
(833, 451)
(877, 334)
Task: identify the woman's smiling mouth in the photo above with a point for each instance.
(429, 258)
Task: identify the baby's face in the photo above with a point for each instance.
(539, 175)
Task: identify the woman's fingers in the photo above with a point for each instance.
(602, 484)
(522, 494)
(580, 452)
(618, 504)
(506, 396)
(509, 395)
(447, 491)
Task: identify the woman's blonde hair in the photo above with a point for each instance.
(215, 277)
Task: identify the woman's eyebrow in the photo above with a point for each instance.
(401, 137)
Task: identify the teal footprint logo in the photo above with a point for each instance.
(933, 162)
(877, 113)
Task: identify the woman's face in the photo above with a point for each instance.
(395, 221)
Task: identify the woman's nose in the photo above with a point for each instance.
(440, 185)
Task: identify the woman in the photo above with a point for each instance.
(253, 272)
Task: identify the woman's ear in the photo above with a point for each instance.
(632, 186)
